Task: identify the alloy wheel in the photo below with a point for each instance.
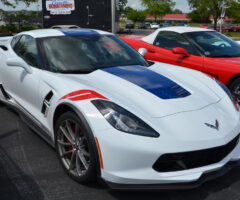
(73, 147)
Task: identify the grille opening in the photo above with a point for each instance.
(189, 160)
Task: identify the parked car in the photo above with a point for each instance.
(130, 26)
(217, 28)
(65, 27)
(182, 24)
(230, 28)
(204, 26)
(142, 26)
(154, 26)
(111, 115)
(166, 25)
(147, 23)
(201, 49)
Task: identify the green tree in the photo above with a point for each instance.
(122, 5)
(158, 8)
(177, 11)
(127, 10)
(209, 7)
(199, 16)
(136, 15)
(13, 3)
(234, 10)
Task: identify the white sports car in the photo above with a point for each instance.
(110, 114)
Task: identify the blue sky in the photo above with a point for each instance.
(180, 4)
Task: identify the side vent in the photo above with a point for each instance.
(5, 94)
(46, 103)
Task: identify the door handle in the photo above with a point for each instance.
(151, 51)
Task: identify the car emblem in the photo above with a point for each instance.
(216, 126)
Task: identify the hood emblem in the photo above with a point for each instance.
(216, 126)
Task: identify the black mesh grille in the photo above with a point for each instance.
(188, 160)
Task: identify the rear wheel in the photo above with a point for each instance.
(75, 148)
(235, 90)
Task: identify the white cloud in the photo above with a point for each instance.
(135, 5)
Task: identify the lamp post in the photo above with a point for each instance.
(222, 16)
(113, 16)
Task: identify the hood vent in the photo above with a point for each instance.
(46, 103)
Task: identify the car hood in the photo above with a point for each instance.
(150, 91)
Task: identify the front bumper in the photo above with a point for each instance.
(128, 159)
(189, 185)
(135, 176)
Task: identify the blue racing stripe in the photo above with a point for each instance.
(149, 80)
(77, 32)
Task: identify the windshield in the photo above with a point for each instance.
(86, 53)
(215, 45)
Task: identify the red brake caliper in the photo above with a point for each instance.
(70, 147)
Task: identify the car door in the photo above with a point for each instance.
(19, 84)
(217, 51)
(161, 50)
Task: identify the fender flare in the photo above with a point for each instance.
(84, 121)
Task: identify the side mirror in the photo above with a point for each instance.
(142, 51)
(179, 50)
(18, 62)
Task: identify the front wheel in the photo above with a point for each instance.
(235, 90)
(75, 148)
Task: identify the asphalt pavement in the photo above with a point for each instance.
(30, 170)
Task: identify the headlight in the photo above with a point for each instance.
(123, 120)
(229, 94)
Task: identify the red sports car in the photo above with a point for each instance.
(197, 48)
(238, 28)
(204, 26)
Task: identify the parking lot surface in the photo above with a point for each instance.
(30, 170)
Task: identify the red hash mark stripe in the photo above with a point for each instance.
(83, 95)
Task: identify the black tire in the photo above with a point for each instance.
(235, 89)
(89, 174)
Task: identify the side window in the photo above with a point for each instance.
(169, 40)
(26, 48)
